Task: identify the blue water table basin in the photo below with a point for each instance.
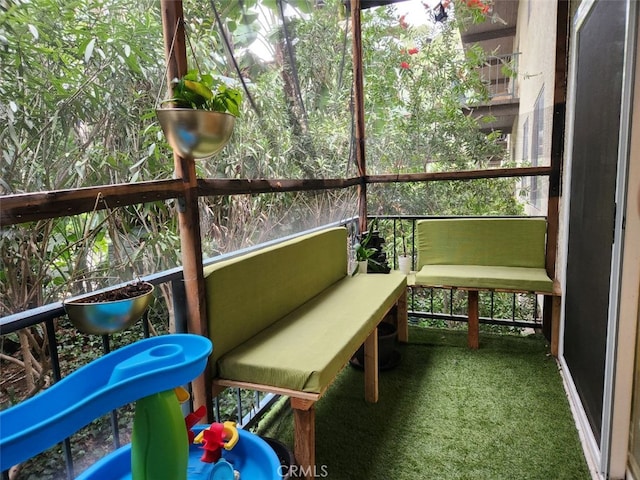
(145, 372)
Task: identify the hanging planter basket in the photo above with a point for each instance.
(195, 134)
(112, 311)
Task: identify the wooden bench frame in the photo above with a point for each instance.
(473, 311)
(484, 232)
(303, 403)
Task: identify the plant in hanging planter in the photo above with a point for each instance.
(109, 310)
(202, 114)
(205, 92)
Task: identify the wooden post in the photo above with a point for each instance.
(473, 328)
(358, 111)
(371, 367)
(188, 214)
(304, 433)
(402, 318)
(551, 305)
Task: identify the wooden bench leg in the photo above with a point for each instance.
(473, 332)
(304, 432)
(371, 367)
(402, 320)
(555, 302)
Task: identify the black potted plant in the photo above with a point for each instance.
(363, 255)
(388, 354)
(377, 259)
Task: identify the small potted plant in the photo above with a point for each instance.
(404, 260)
(363, 254)
(201, 116)
(112, 311)
(377, 262)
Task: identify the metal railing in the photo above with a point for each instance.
(499, 74)
(251, 405)
(423, 301)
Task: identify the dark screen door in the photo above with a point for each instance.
(598, 90)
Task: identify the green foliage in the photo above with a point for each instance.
(204, 92)
(85, 109)
(362, 252)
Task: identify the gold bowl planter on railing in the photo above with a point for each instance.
(96, 315)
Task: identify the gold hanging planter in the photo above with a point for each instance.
(196, 134)
(101, 314)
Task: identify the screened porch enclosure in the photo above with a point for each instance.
(375, 134)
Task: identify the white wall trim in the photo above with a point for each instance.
(587, 439)
(629, 254)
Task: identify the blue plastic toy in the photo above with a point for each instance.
(147, 372)
(252, 457)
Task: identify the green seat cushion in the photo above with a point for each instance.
(485, 277)
(509, 242)
(306, 349)
(248, 293)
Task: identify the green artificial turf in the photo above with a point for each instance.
(447, 412)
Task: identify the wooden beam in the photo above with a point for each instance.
(488, 35)
(30, 207)
(174, 39)
(460, 175)
(551, 307)
(304, 438)
(473, 328)
(188, 213)
(358, 99)
(371, 367)
(237, 186)
(299, 396)
(402, 318)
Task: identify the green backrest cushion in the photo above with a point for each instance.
(248, 293)
(508, 242)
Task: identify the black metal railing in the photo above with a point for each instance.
(525, 308)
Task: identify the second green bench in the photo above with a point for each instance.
(499, 254)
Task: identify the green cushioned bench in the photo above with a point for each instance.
(287, 319)
(500, 254)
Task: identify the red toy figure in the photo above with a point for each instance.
(213, 442)
(217, 436)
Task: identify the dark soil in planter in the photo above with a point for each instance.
(123, 293)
